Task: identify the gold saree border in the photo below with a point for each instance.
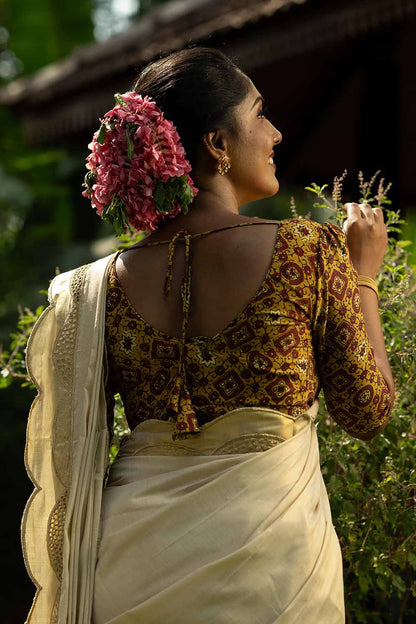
(53, 555)
(63, 360)
(27, 462)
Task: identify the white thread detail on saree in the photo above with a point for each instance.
(28, 466)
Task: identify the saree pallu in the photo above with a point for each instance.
(230, 527)
(66, 452)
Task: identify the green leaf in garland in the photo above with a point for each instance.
(130, 145)
(101, 135)
(159, 196)
(175, 189)
(186, 194)
(89, 180)
(119, 100)
(116, 215)
(170, 195)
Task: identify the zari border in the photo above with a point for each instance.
(63, 358)
(37, 486)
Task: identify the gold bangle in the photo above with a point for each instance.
(363, 280)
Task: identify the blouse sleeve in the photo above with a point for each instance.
(355, 392)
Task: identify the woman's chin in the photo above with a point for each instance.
(268, 190)
(274, 188)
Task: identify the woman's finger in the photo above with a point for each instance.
(367, 212)
(353, 210)
(378, 214)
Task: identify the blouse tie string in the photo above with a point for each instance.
(186, 421)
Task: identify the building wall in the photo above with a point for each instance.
(347, 106)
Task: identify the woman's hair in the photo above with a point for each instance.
(197, 89)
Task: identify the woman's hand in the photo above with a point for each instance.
(366, 235)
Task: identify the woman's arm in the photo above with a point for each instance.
(353, 379)
(366, 236)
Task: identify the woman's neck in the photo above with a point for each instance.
(208, 210)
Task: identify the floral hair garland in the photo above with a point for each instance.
(138, 172)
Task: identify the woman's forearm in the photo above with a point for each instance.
(369, 307)
(367, 241)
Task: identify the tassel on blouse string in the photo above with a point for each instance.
(186, 420)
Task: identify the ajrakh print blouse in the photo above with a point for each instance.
(302, 331)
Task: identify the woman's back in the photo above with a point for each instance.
(228, 268)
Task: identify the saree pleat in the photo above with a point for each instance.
(210, 531)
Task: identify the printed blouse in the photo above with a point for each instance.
(303, 330)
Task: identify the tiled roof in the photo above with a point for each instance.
(68, 97)
(167, 27)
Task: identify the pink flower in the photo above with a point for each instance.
(127, 167)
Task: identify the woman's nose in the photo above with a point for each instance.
(277, 137)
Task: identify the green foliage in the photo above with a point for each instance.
(371, 485)
(15, 200)
(36, 220)
(59, 26)
(12, 361)
(409, 234)
(121, 428)
(36, 205)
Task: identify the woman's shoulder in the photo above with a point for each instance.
(306, 232)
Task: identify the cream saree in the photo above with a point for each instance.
(232, 525)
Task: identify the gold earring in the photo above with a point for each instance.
(223, 165)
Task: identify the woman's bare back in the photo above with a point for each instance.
(228, 268)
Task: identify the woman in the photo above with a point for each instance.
(215, 509)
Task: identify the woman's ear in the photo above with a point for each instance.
(215, 143)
